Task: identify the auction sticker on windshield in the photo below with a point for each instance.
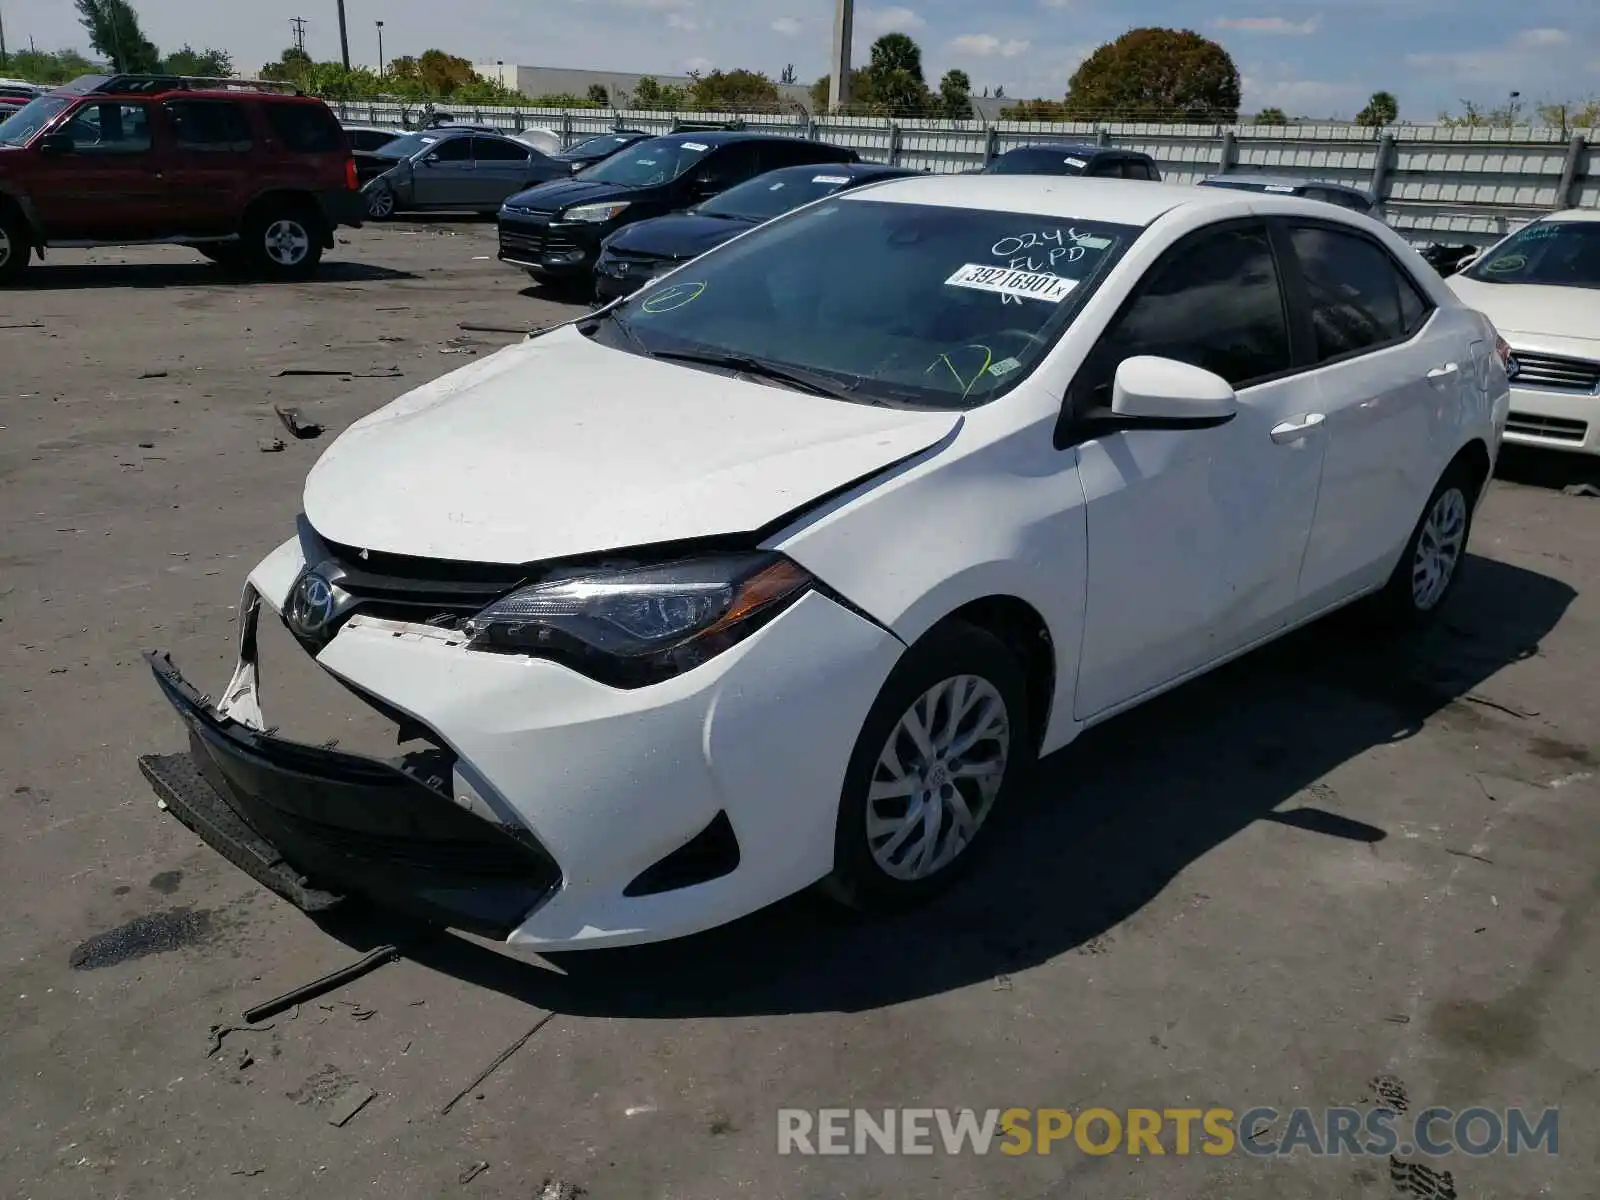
(1003, 281)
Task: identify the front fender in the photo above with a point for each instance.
(1004, 517)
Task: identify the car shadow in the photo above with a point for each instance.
(1110, 822)
(63, 277)
(1552, 469)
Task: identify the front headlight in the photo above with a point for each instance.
(640, 625)
(593, 214)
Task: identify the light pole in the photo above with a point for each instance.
(344, 37)
(379, 24)
(839, 77)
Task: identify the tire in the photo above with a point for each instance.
(884, 871)
(380, 203)
(283, 242)
(1430, 566)
(16, 245)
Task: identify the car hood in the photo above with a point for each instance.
(558, 446)
(678, 235)
(561, 194)
(1560, 313)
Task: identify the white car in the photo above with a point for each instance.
(784, 569)
(1541, 288)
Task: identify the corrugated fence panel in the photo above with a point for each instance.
(1440, 183)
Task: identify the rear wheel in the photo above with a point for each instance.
(16, 244)
(1431, 563)
(283, 242)
(943, 746)
(380, 203)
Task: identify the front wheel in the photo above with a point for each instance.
(1431, 563)
(283, 243)
(16, 245)
(943, 746)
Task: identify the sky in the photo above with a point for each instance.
(1308, 57)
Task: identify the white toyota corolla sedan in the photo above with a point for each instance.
(785, 568)
(1541, 288)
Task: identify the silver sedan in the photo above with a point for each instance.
(442, 170)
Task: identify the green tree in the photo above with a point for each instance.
(1034, 110)
(738, 90)
(599, 95)
(650, 96)
(860, 91)
(114, 31)
(1568, 115)
(1382, 109)
(894, 69)
(1272, 116)
(442, 73)
(1156, 74)
(207, 63)
(562, 100)
(955, 96)
(293, 66)
(41, 66)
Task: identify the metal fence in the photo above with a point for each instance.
(1437, 183)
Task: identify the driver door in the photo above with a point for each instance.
(112, 186)
(1196, 537)
(442, 176)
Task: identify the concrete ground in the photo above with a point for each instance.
(1334, 871)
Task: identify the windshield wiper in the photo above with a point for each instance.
(801, 380)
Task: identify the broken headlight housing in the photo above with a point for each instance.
(637, 625)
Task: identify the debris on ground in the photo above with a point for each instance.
(468, 1174)
(356, 1097)
(326, 372)
(270, 445)
(559, 1189)
(297, 425)
(1580, 489)
(218, 1032)
(320, 987)
(25, 325)
(469, 327)
(249, 1171)
(496, 1064)
(1002, 983)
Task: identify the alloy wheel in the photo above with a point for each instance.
(287, 242)
(5, 248)
(937, 777)
(380, 204)
(1439, 547)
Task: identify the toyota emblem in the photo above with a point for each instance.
(311, 605)
(1513, 367)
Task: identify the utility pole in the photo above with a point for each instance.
(839, 77)
(299, 26)
(344, 37)
(381, 72)
(3, 59)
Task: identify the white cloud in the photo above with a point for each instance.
(787, 26)
(676, 20)
(986, 45)
(1300, 97)
(1534, 39)
(875, 22)
(1274, 25)
(1057, 3)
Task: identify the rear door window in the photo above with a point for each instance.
(1360, 298)
(305, 128)
(209, 126)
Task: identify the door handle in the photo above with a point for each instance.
(1441, 373)
(1301, 426)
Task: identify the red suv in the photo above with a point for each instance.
(249, 176)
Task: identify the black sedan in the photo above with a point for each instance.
(636, 254)
(597, 149)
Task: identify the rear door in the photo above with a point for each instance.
(1387, 368)
(500, 169)
(112, 186)
(725, 167)
(213, 150)
(1196, 536)
(442, 175)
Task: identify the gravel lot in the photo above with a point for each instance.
(1331, 862)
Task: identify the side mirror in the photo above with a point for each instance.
(1164, 393)
(57, 143)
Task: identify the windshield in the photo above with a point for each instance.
(405, 147)
(1067, 161)
(604, 144)
(655, 160)
(898, 303)
(775, 193)
(33, 116)
(1552, 253)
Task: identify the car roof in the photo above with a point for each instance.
(1255, 180)
(722, 137)
(1076, 149)
(1074, 197)
(1573, 214)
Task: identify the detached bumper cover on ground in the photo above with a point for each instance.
(287, 813)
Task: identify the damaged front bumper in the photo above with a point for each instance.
(288, 814)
